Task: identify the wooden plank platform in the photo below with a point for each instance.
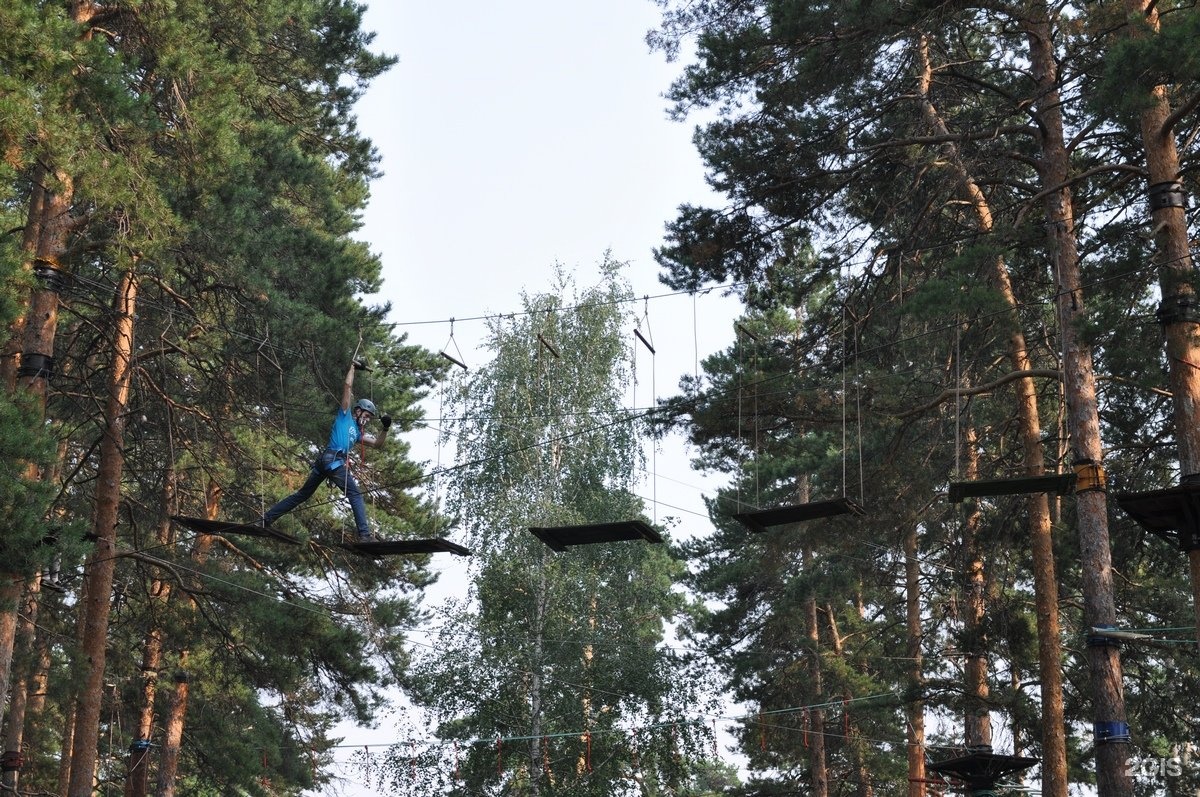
(205, 526)
(764, 519)
(1172, 513)
(1057, 483)
(560, 537)
(376, 548)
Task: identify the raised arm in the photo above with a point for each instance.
(348, 387)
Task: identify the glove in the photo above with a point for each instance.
(386, 422)
(361, 365)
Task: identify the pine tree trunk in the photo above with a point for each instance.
(977, 719)
(1175, 278)
(1078, 384)
(853, 742)
(168, 764)
(23, 669)
(53, 221)
(29, 244)
(71, 701)
(152, 647)
(68, 741)
(173, 725)
(1033, 456)
(139, 752)
(915, 635)
(101, 564)
(39, 683)
(819, 773)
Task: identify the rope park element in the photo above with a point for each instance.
(460, 361)
(649, 344)
(1172, 513)
(979, 770)
(762, 520)
(559, 538)
(1056, 483)
(337, 463)
(373, 549)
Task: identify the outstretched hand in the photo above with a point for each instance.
(386, 422)
(360, 365)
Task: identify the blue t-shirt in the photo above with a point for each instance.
(344, 433)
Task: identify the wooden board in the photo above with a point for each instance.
(1057, 483)
(205, 526)
(764, 519)
(561, 537)
(376, 548)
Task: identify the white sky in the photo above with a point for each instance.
(516, 136)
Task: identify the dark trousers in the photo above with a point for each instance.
(319, 473)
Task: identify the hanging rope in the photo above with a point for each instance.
(957, 398)
(262, 441)
(649, 344)
(437, 473)
(750, 336)
(845, 299)
(460, 361)
(858, 420)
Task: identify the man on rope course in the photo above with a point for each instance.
(333, 462)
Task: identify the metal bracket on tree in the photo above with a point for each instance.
(48, 272)
(1169, 194)
(1090, 476)
(38, 366)
(1177, 309)
(1111, 732)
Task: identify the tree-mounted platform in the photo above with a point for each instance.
(763, 520)
(561, 537)
(1172, 513)
(980, 769)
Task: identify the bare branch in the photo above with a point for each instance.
(953, 393)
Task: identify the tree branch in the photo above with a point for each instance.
(945, 395)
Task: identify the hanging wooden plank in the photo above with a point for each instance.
(221, 527)
(561, 537)
(1057, 483)
(645, 342)
(764, 519)
(377, 548)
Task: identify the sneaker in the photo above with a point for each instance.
(262, 523)
(368, 537)
(53, 586)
